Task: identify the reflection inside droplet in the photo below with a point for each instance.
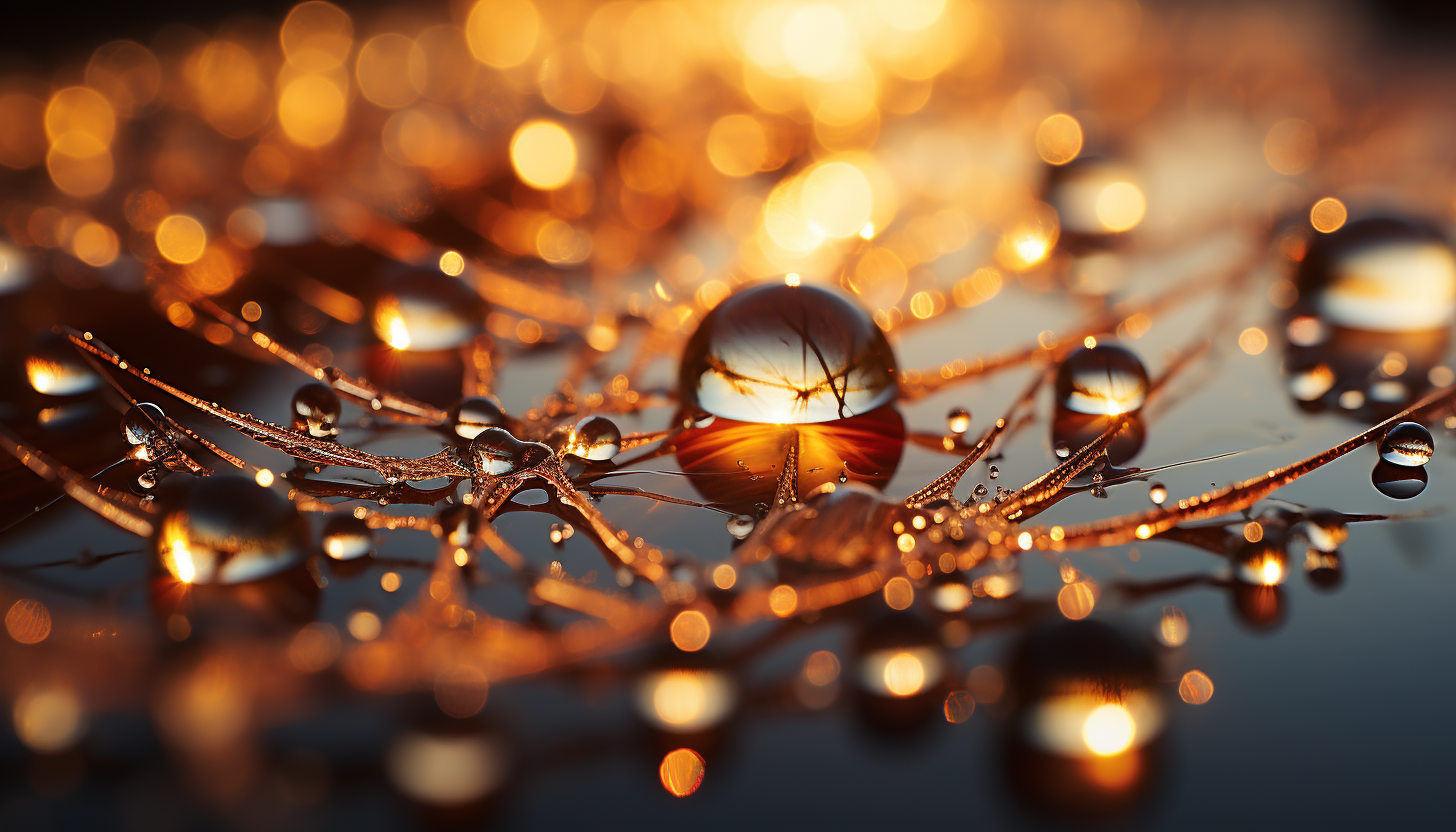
(346, 537)
(1105, 380)
(427, 310)
(225, 529)
(1399, 482)
(55, 368)
(1408, 444)
(1381, 274)
(787, 354)
(315, 409)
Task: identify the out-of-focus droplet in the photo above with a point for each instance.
(1382, 274)
(595, 439)
(28, 621)
(1062, 451)
(48, 718)
(1172, 627)
(14, 269)
(427, 310)
(681, 772)
(690, 630)
(315, 409)
(959, 705)
(55, 368)
(1261, 564)
(474, 415)
(958, 420)
(1104, 380)
(497, 453)
(741, 525)
(1157, 492)
(993, 472)
(226, 530)
(347, 537)
(447, 769)
(1311, 383)
(1399, 482)
(1324, 530)
(782, 354)
(1408, 444)
(1195, 688)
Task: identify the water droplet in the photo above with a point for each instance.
(427, 310)
(496, 453)
(1311, 383)
(844, 476)
(1399, 482)
(958, 420)
(595, 438)
(741, 525)
(1409, 444)
(147, 480)
(1381, 274)
(995, 472)
(225, 529)
(347, 537)
(474, 415)
(316, 410)
(698, 419)
(457, 524)
(980, 490)
(1062, 451)
(778, 354)
(56, 368)
(1105, 380)
(1325, 530)
(1157, 492)
(142, 424)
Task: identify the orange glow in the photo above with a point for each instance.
(316, 36)
(1059, 139)
(364, 625)
(783, 600)
(383, 70)
(899, 594)
(690, 630)
(1253, 340)
(95, 244)
(681, 772)
(48, 719)
(502, 33)
(737, 145)
(959, 705)
(1195, 688)
(80, 110)
(28, 621)
(904, 674)
(181, 239)
(1120, 206)
(1328, 215)
(1076, 600)
(311, 110)
(821, 668)
(724, 576)
(1109, 730)
(543, 154)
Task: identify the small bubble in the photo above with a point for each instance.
(995, 472)
(1158, 493)
(980, 490)
(1062, 451)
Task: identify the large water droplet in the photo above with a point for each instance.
(1093, 197)
(474, 415)
(226, 530)
(424, 310)
(741, 525)
(1399, 482)
(788, 354)
(55, 368)
(347, 537)
(1381, 274)
(142, 424)
(1103, 380)
(595, 438)
(316, 409)
(497, 453)
(1408, 443)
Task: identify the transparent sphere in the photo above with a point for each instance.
(496, 453)
(1104, 380)
(227, 530)
(958, 420)
(316, 410)
(54, 367)
(1381, 274)
(595, 438)
(474, 415)
(741, 525)
(1324, 530)
(143, 424)
(347, 537)
(783, 354)
(1094, 196)
(424, 310)
(1408, 444)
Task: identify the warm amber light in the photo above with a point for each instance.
(681, 772)
(543, 154)
(1195, 688)
(904, 674)
(1253, 340)
(1059, 139)
(1076, 600)
(502, 33)
(1120, 206)
(1328, 215)
(690, 630)
(181, 239)
(1109, 730)
(724, 576)
(28, 621)
(364, 625)
(311, 110)
(452, 263)
(783, 600)
(679, 698)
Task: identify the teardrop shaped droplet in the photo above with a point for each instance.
(1408, 444)
(55, 368)
(347, 537)
(497, 453)
(782, 354)
(426, 310)
(226, 530)
(595, 438)
(316, 410)
(475, 414)
(741, 525)
(1104, 380)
